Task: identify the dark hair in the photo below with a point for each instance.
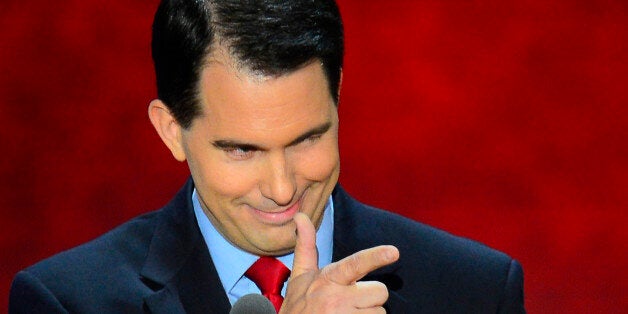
(270, 37)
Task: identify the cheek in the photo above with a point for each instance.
(226, 182)
(319, 163)
(231, 183)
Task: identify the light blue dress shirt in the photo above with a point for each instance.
(231, 262)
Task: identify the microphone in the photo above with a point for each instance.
(253, 304)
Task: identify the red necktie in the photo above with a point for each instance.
(269, 274)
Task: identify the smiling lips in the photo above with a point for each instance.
(280, 217)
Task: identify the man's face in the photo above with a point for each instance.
(263, 149)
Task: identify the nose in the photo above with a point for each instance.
(278, 183)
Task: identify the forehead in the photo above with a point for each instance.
(242, 104)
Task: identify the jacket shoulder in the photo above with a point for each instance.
(437, 271)
(366, 221)
(105, 269)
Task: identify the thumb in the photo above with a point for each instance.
(305, 253)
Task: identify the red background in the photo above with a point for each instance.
(496, 120)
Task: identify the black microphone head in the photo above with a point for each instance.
(253, 304)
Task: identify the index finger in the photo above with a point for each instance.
(352, 268)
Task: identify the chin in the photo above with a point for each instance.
(277, 248)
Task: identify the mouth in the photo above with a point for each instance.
(278, 217)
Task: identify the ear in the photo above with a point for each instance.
(167, 127)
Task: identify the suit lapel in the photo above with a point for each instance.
(178, 267)
(353, 233)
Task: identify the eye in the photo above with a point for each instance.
(313, 138)
(239, 153)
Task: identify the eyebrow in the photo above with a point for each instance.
(226, 144)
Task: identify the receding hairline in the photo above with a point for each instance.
(220, 56)
(220, 52)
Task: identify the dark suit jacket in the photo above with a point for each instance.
(159, 263)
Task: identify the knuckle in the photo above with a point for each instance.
(382, 256)
(326, 274)
(351, 266)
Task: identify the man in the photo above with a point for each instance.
(248, 94)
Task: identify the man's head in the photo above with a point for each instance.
(269, 37)
(255, 112)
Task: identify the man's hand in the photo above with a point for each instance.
(334, 289)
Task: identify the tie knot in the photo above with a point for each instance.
(269, 274)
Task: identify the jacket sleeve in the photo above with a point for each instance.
(512, 300)
(30, 295)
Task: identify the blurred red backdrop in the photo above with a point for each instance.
(500, 121)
